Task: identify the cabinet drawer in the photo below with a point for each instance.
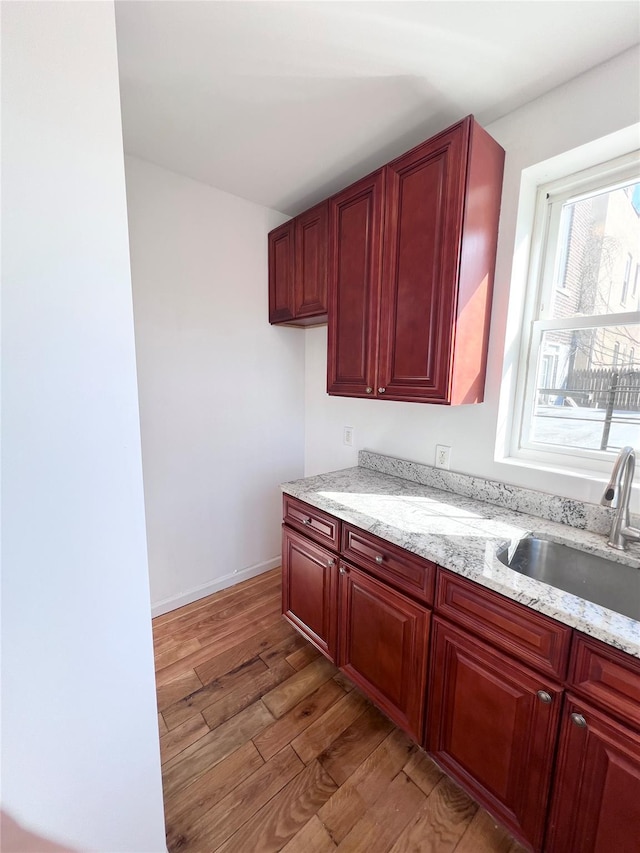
(317, 525)
(531, 637)
(607, 676)
(403, 570)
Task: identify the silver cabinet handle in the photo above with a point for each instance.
(379, 559)
(369, 390)
(381, 390)
(330, 563)
(343, 571)
(545, 697)
(579, 720)
(306, 521)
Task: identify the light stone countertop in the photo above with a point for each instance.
(463, 534)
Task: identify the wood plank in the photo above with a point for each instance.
(294, 642)
(212, 748)
(369, 782)
(300, 658)
(166, 620)
(230, 813)
(234, 614)
(440, 823)
(344, 682)
(355, 743)
(210, 693)
(321, 734)
(312, 838)
(376, 831)
(208, 653)
(268, 609)
(282, 817)
(422, 771)
(175, 690)
(162, 726)
(290, 725)
(246, 692)
(218, 604)
(230, 654)
(188, 804)
(287, 695)
(483, 833)
(176, 652)
(180, 738)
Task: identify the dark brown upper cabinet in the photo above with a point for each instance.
(298, 269)
(411, 264)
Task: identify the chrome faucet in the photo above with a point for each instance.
(617, 495)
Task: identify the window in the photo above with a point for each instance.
(625, 281)
(579, 391)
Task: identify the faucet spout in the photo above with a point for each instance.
(618, 495)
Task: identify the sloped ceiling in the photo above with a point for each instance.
(283, 103)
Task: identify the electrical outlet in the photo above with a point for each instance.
(443, 456)
(347, 436)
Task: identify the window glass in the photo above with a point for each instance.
(582, 376)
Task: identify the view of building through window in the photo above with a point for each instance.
(587, 378)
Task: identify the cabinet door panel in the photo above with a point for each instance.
(311, 263)
(383, 646)
(309, 590)
(281, 273)
(489, 729)
(423, 221)
(596, 805)
(355, 222)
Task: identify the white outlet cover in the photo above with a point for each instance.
(347, 436)
(443, 456)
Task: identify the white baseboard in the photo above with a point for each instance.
(216, 585)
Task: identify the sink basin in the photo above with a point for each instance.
(605, 582)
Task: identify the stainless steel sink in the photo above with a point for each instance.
(589, 576)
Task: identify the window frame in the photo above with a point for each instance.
(546, 256)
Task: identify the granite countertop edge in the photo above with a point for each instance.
(462, 534)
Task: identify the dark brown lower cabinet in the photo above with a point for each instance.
(596, 800)
(562, 773)
(492, 725)
(384, 639)
(309, 589)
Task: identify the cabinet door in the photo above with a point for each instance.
(355, 227)
(424, 207)
(311, 263)
(383, 646)
(596, 801)
(281, 273)
(491, 729)
(309, 590)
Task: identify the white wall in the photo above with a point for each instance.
(80, 756)
(600, 102)
(221, 391)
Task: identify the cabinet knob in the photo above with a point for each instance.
(579, 720)
(343, 571)
(306, 521)
(545, 697)
(379, 559)
(369, 390)
(381, 390)
(330, 562)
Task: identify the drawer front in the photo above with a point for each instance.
(531, 637)
(314, 523)
(607, 676)
(398, 567)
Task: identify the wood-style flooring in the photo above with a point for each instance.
(266, 746)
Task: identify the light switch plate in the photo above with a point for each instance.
(347, 436)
